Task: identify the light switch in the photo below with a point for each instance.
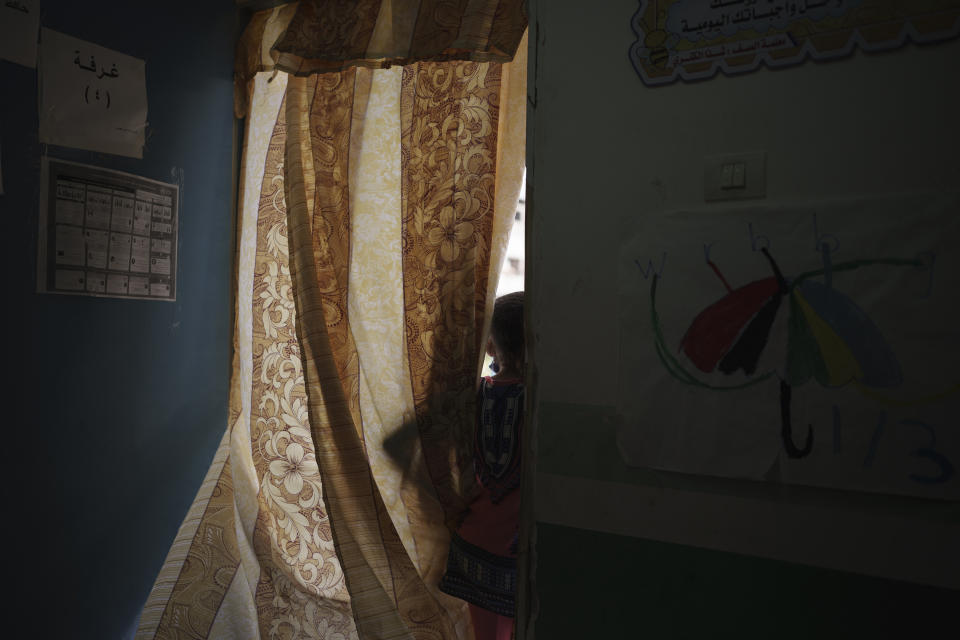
(739, 178)
(725, 177)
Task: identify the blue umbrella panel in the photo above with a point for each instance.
(830, 338)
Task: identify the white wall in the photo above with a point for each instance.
(608, 149)
(604, 149)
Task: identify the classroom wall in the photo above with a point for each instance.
(623, 551)
(114, 408)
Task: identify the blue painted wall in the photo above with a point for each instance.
(114, 408)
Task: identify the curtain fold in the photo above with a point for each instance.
(257, 558)
(375, 211)
(376, 566)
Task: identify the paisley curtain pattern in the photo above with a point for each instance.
(449, 114)
(322, 36)
(375, 205)
(292, 535)
(272, 534)
(329, 31)
(196, 592)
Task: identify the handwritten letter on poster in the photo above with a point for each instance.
(91, 97)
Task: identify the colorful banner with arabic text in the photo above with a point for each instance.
(694, 39)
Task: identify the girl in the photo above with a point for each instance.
(482, 563)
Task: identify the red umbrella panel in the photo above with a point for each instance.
(829, 337)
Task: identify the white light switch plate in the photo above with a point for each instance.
(754, 176)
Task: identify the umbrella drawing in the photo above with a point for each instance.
(829, 338)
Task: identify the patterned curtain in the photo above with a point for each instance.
(375, 209)
(319, 36)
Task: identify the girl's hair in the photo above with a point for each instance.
(507, 327)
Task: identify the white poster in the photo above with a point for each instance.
(813, 344)
(19, 23)
(106, 233)
(91, 97)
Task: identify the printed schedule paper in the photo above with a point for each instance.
(106, 233)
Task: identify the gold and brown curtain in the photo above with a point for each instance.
(320, 36)
(375, 209)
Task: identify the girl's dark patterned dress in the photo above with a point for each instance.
(482, 563)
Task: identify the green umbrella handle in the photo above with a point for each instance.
(786, 429)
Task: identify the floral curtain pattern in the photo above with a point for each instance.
(375, 203)
(320, 36)
(261, 561)
(449, 141)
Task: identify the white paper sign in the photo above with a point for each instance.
(813, 344)
(19, 23)
(91, 97)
